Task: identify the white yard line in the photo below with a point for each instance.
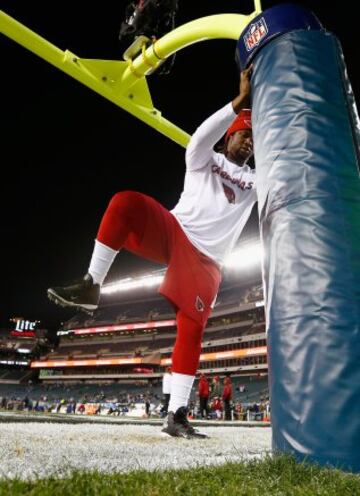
(30, 450)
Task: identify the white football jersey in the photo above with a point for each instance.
(218, 195)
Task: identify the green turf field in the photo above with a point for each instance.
(279, 476)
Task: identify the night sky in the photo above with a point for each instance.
(65, 150)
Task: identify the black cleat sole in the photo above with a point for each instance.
(58, 300)
(195, 435)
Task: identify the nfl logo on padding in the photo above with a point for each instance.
(256, 32)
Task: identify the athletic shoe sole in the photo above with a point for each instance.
(58, 300)
(199, 435)
(167, 434)
(195, 435)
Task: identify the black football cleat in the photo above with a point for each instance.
(177, 425)
(82, 294)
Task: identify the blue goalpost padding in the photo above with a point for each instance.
(306, 139)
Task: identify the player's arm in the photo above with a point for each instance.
(200, 148)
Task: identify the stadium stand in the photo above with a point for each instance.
(121, 352)
(133, 339)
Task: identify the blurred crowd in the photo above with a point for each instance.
(213, 399)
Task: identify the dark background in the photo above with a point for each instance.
(65, 150)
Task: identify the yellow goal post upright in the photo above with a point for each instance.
(123, 82)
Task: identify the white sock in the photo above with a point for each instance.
(101, 261)
(166, 383)
(181, 385)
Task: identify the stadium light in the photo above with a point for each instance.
(129, 283)
(245, 257)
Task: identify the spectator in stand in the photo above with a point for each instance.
(124, 410)
(60, 403)
(147, 407)
(238, 411)
(27, 403)
(216, 387)
(227, 397)
(217, 407)
(113, 409)
(166, 389)
(204, 391)
(192, 410)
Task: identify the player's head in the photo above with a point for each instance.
(238, 138)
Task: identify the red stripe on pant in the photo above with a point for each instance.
(141, 225)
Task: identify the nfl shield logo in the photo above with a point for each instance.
(256, 32)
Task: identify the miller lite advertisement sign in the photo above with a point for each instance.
(256, 32)
(24, 328)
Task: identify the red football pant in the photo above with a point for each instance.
(187, 349)
(141, 225)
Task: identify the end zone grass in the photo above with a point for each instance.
(272, 476)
